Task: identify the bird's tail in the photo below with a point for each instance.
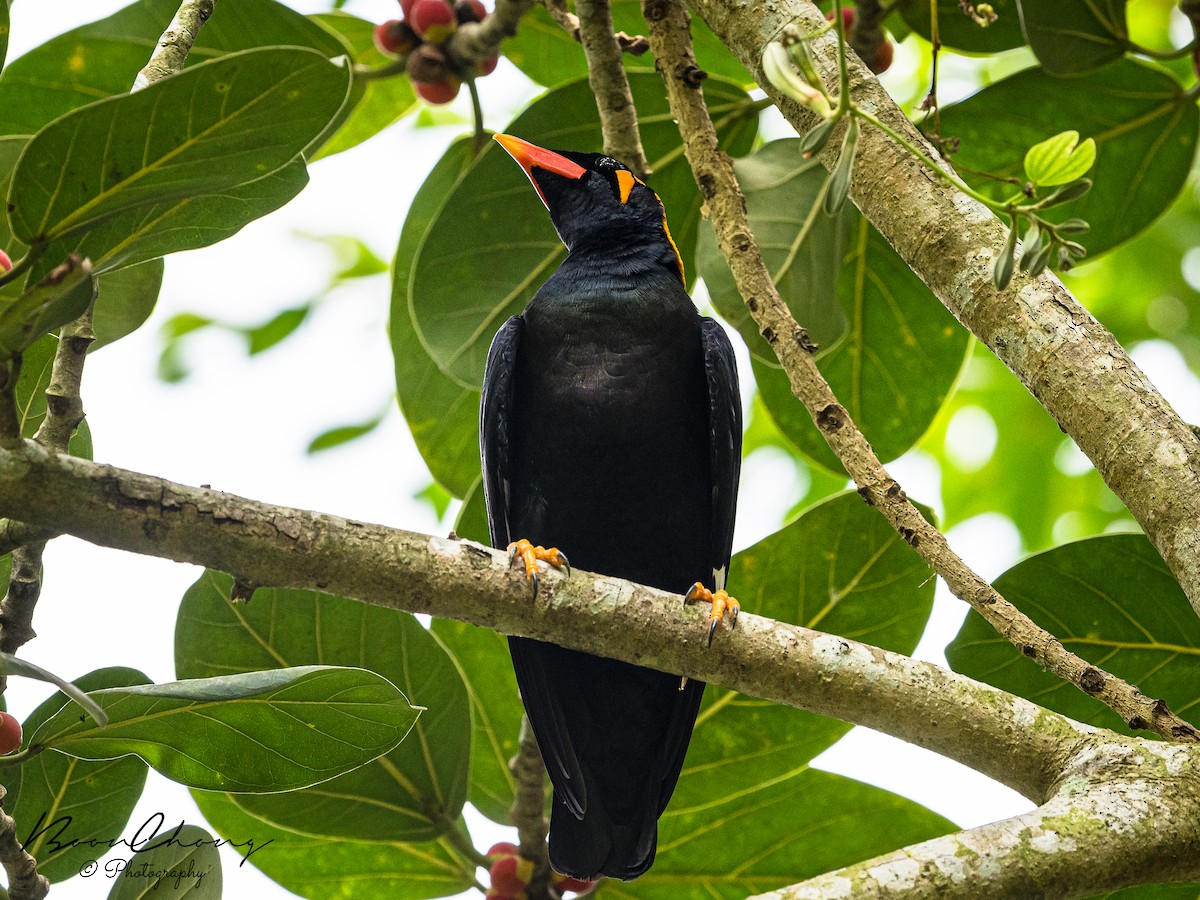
(596, 845)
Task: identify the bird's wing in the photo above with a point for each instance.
(725, 453)
(725, 441)
(496, 412)
(530, 658)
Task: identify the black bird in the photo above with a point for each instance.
(611, 427)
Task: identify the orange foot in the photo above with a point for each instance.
(529, 554)
(721, 602)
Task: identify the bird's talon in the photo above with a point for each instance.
(529, 556)
(721, 602)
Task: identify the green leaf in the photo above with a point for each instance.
(472, 521)
(1112, 601)
(215, 126)
(179, 863)
(1070, 37)
(486, 668)
(782, 191)
(442, 414)
(320, 868)
(894, 367)
(57, 800)
(61, 296)
(124, 301)
(831, 821)
(102, 58)
(1059, 159)
(143, 233)
(839, 178)
(551, 56)
(13, 665)
(491, 244)
(277, 328)
(260, 731)
(1142, 121)
(343, 434)
(1002, 265)
(384, 101)
(414, 792)
(960, 32)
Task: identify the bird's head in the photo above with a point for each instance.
(594, 200)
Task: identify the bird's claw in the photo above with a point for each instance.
(529, 556)
(721, 603)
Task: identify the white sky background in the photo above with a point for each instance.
(241, 425)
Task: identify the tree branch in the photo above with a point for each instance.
(1006, 737)
(1107, 827)
(175, 43)
(726, 206)
(1074, 367)
(606, 75)
(477, 41)
(529, 808)
(24, 882)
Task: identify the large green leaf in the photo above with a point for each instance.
(102, 58)
(549, 55)
(782, 191)
(1108, 599)
(146, 232)
(840, 568)
(125, 300)
(1144, 125)
(809, 823)
(491, 244)
(957, 30)
(179, 863)
(414, 792)
(894, 367)
(57, 800)
(320, 868)
(442, 414)
(482, 656)
(384, 100)
(215, 126)
(1074, 36)
(262, 731)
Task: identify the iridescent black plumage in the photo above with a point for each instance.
(611, 428)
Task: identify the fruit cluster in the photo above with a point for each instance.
(418, 38)
(510, 875)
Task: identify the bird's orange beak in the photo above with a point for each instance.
(530, 156)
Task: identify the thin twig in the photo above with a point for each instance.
(176, 42)
(528, 809)
(606, 75)
(24, 882)
(474, 42)
(671, 41)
